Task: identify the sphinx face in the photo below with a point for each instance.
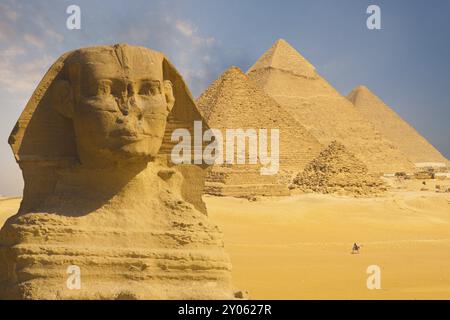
(121, 103)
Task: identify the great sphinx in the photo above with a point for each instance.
(100, 191)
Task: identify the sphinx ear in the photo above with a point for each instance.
(63, 98)
(168, 92)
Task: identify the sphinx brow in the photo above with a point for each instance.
(105, 80)
(152, 81)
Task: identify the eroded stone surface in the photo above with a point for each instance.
(100, 191)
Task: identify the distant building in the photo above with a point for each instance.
(431, 166)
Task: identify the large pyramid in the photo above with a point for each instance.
(387, 121)
(233, 101)
(294, 83)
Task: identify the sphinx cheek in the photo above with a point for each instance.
(153, 115)
(93, 127)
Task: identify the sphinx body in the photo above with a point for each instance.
(100, 191)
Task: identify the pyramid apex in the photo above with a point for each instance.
(283, 56)
(360, 92)
(281, 41)
(361, 87)
(335, 143)
(233, 69)
(232, 73)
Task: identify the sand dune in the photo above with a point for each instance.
(8, 206)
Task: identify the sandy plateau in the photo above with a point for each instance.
(298, 247)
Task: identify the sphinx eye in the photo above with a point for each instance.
(150, 88)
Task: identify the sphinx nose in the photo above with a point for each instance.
(130, 90)
(126, 104)
(126, 100)
(129, 106)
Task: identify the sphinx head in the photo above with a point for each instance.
(101, 106)
(118, 101)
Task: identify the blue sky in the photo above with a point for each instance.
(407, 63)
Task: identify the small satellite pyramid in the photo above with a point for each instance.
(294, 83)
(233, 101)
(392, 126)
(336, 170)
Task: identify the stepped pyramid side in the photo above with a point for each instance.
(234, 101)
(336, 170)
(243, 181)
(387, 121)
(325, 113)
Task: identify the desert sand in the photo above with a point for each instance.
(8, 207)
(299, 247)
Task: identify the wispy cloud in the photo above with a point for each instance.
(24, 56)
(185, 28)
(34, 40)
(8, 12)
(19, 77)
(195, 53)
(195, 59)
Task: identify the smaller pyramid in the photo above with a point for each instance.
(233, 101)
(392, 126)
(336, 170)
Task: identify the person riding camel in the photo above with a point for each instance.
(355, 248)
